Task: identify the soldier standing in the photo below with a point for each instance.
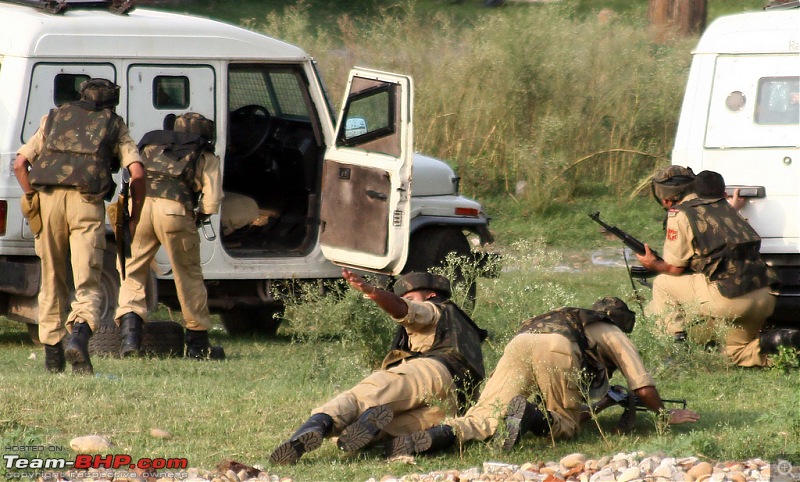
(71, 158)
(180, 164)
(435, 354)
(551, 357)
(712, 266)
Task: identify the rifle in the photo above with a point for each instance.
(622, 398)
(632, 404)
(634, 244)
(122, 229)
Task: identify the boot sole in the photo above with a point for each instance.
(516, 409)
(79, 359)
(362, 432)
(289, 452)
(408, 445)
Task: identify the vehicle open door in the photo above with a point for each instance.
(366, 178)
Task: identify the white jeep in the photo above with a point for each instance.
(302, 191)
(741, 118)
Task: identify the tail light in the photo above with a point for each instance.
(3, 217)
(467, 212)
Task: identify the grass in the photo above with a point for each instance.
(243, 407)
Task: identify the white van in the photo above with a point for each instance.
(741, 118)
(320, 191)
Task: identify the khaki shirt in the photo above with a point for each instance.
(125, 149)
(609, 345)
(207, 177)
(679, 242)
(420, 324)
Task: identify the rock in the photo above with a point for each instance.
(629, 474)
(90, 444)
(231, 475)
(604, 475)
(160, 433)
(703, 478)
(572, 460)
(737, 476)
(389, 478)
(603, 461)
(703, 468)
(664, 471)
(648, 465)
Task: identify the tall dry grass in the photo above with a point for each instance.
(531, 96)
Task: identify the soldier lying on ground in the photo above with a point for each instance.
(712, 267)
(553, 357)
(436, 354)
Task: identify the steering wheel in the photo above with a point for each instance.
(248, 130)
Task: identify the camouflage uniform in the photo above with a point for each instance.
(729, 280)
(168, 218)
(545, 359)
(71, 158)
(435, 352)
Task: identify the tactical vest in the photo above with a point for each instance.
(727, 248)
(78, 150)
(170, 159)
(571, 324)
(457, 344)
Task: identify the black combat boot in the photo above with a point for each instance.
(359, 434)
(131, 324)
(199, 348)
(54, 360)
(436, 438)
(77, 351)
(523, 417)
(307, 438)
(769, 341)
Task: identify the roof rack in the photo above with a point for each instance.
(776, 4)
(60, 6)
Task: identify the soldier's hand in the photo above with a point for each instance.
(679, 416)
(357, 282)
(201, 217)
(648, 259)
(735, 201)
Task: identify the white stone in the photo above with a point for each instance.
(572, 460)
(604, 475)
(629, 474)
(90, 444)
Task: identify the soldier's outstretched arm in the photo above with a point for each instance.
(388, 301)
(652, 400)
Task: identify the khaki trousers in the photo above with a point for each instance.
(72, 230)
(420, 392)
(166, 223)
(530, 360)
(676, 298)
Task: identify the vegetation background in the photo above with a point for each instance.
(548, 111)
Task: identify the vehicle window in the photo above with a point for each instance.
(371, 120)
(778, 101)
(66, 87)
(278, 89)
(171, 92)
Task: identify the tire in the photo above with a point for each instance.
(429, 248)
(252, 321)
(106, 340)
(163, 338)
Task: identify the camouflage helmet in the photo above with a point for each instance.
(194, 123)
(673, 183)
(422, 281)
(102, 92)
(617, 311)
